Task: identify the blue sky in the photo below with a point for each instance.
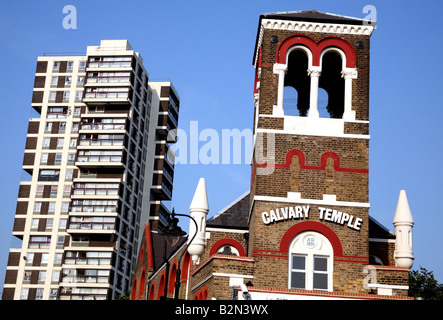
(205, 48)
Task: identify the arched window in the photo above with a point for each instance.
(297, 84)
(172, 277)
(161, 286)
(332, 82)
(141, 290)
(308, 65)
(310, 262)
(152, 291)
(134, 289)
(228, 250)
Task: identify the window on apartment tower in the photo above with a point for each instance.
(52, 95)
(24, 294)
(49, 175)
(44, 158)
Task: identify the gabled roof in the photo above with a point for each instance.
(378, 231)
(235, 215)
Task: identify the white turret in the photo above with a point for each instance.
(199, 209)
(403, 224)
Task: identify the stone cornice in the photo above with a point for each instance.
(304, 26)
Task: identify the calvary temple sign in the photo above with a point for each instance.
(302, 212)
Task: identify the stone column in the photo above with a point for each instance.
(314, 73)
(348, 74)
(280, 69)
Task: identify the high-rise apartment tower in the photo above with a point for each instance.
(98, 168)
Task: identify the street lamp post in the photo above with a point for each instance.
(172, 233)
(199, 209)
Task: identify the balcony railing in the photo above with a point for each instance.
(94, 206)
(74, 293)
(106, 95)
(100, 191)
(99, 156)
(88, 258)
(101, 142)
(110, 64)
(125, 79)
(103, 126)
(92, 223)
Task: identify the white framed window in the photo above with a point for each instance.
(44, 259)
(71, 157)
(54, 81)
(46, 142)
(42, 276)
(39, 190)
(73, 142)
(55, 278)
(77, 111)
(29, 258)
(310, 263)
(65, 207)
(49, 224)
(62, 224)
(24, 294)
(60, 241)
(75, 126)
(44, 158)
(60, 142)
(56, 65)
(51, 206)
(68, 81)
(82, 65)
(58, 258)
(54, 190)
(66, 95)
(70, 66)
(48, 126)
(58, 158)
(52, 95)
(78, 95)
(37, 206)
(34, 224)
(69, 173)
(67, 190)
(39, 294)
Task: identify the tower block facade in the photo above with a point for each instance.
(309, 184)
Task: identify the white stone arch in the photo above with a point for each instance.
(348, 74)
(301, 48)
(333, 49)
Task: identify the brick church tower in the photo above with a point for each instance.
(310, 172)
(303, 230)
